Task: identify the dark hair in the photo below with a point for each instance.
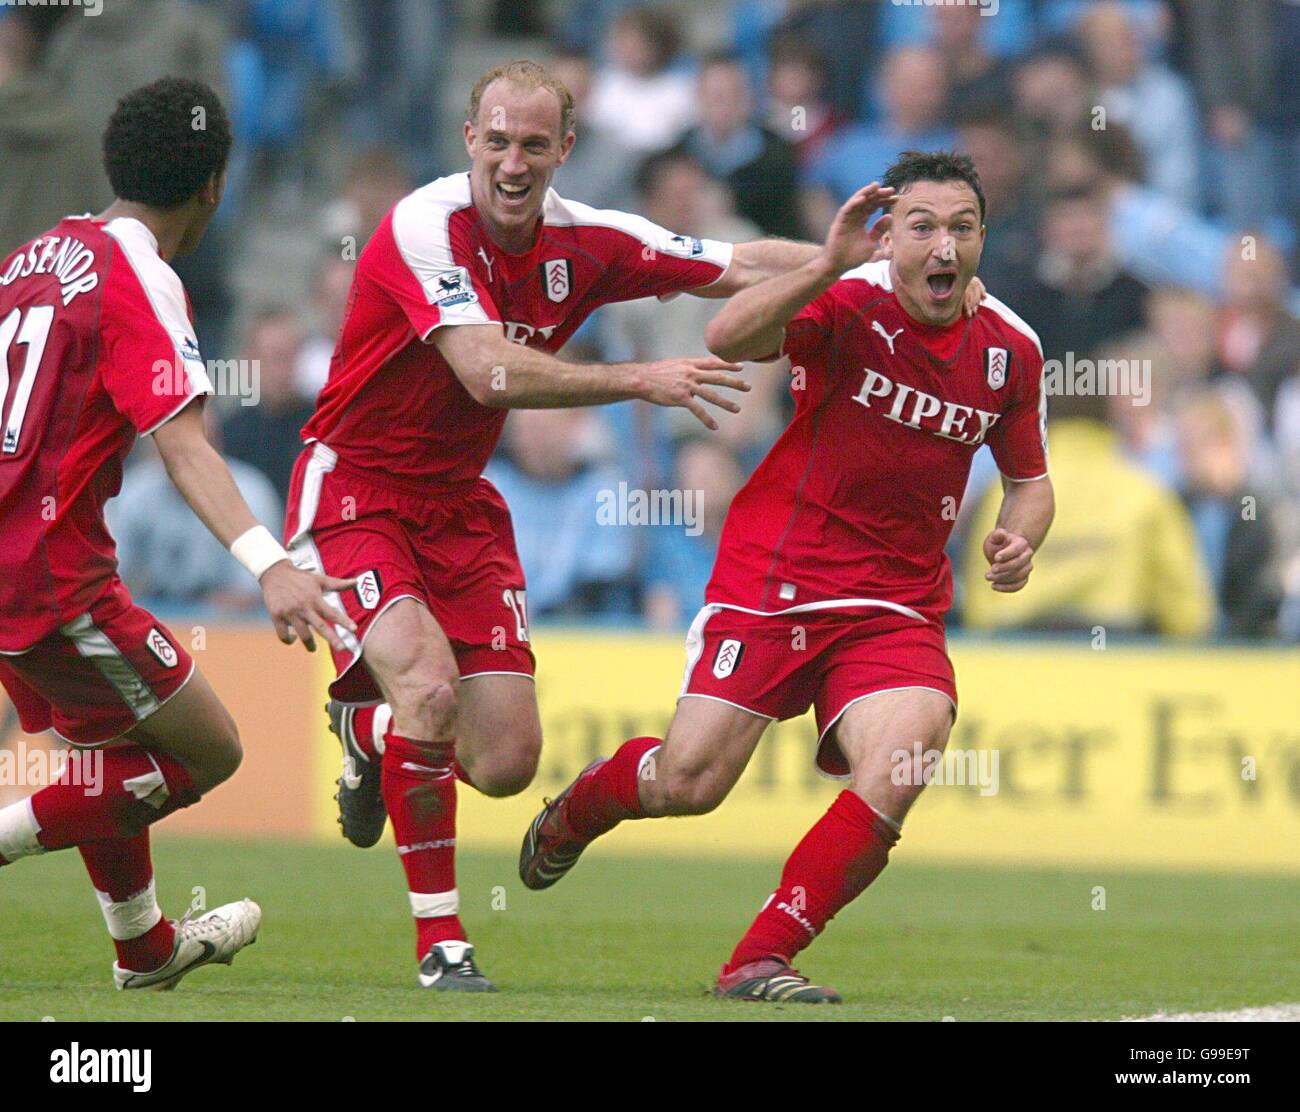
(914, 166)
(159, 148)
(660, 30)
(653, 168)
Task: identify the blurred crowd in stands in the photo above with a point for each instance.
(1141, 161)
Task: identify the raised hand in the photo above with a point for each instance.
(850, 243)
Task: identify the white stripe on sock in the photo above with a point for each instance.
(379, 726)
(435, 905)
(133, 916)
(18, 830)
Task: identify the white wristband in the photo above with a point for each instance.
(257, 550)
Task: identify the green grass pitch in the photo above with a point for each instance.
(638, 938)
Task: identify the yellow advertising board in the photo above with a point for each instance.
(1160, 757)
(1125, 756)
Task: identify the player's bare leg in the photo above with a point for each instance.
(499, 733)
(689, 772)
(180, 752)
(412, 662)
(846, 850)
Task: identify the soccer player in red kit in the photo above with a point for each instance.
(97, 346)
(459, 298)
(831, 582)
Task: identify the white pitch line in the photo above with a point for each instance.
(1268, 1013)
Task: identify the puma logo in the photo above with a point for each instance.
(878, 327)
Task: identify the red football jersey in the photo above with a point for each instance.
(392, 404)
(96, 344)
(855, 501)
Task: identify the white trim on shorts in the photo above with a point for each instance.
(717, 699)
(475, 675)
(821, 738)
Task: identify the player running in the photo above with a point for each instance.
(458, 298)
(831, 582)
(96, 345)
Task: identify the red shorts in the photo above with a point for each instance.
(779, 665)
(99, 675)
(452, 548)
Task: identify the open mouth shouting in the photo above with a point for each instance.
(942, 283)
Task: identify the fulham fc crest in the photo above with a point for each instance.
(727, 658)
(557, 278)
(163, 649)
(995, 367)
(369, 589)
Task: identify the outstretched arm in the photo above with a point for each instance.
(756, 262)
(503, 375)
(294, 598)
(752, 324)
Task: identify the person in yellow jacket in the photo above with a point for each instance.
(1123, 553)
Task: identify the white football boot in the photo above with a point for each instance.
(216, 936)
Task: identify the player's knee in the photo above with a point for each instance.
(691, 792)
(511, 766)
(428, 705)
(221, 758)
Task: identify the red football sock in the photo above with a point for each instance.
(833, 864)
(137, 788)
(420, 794)
(122, 873)
(608, 795)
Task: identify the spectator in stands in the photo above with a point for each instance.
(1243, 56)
(977, 81)
(1051, 89)
(637, 95)
(845, 32)
(798, 110)
(1259, 338)
(396, 93)
(375, 181)
(1155, 239)
(1232, 514)
(164, 552)
(600, 167)
(914, 89)
(1012, 216)
(96, 61)
(1148, 98)
(267, 434)
(757, 164)
(1079, 295)
(331, 282)
(675, 192)
(1122, 555)
(552, 475)
(680, 559)
(48, 150)
(1178, 345)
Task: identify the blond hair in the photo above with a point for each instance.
(530, 75)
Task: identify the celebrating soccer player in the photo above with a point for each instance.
(96, 344)
(457, 300)
(831, 583)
